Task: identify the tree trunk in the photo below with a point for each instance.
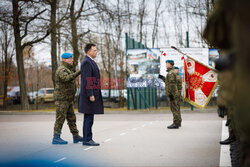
(74, 33)
(53, 39)
(58, 36)
(19, 56)
(109, 68)
(5, 90)
(141, 24)
(6, 75)
(6, 70)
(142, 15)
(37, 85)
(109, 86)
(6, 42)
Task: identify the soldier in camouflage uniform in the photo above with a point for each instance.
(173, 94)
(219, 33)
(179, 86)
(65, 89)
(225, 79)
(228, 28)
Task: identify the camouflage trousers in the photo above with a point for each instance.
(65, 110)
(175, 109)
(230, 119)
(179, 102)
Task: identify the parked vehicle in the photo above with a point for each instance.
(45, 95)
(15, 96)
(8, 100)
(32, 96)
(105, 93)
(114, 95)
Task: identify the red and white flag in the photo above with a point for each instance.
(200, 81)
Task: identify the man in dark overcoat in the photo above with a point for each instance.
(90, 99)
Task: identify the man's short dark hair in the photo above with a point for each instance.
(88, 47)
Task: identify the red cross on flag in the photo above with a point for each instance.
(200, 82)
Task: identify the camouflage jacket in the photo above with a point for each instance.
(65, 85)
(225, 96)
(171, 83)
(179, 83)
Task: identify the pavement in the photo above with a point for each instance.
(126, 138)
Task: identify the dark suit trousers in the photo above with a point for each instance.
(87, 127)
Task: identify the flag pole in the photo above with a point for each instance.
(178, 50)
(184, 54)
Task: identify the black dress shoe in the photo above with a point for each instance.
(90, 143)
(228, 122)
(173, 126)
(227, 141)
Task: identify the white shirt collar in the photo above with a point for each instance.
(91, 58)
(94, 61)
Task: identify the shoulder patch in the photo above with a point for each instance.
(63, 69)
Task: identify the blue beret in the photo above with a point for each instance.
(66, 55)
(170, 61)
(176, 68)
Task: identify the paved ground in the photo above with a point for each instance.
(126, 140)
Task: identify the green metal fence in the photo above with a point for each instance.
(140, 98)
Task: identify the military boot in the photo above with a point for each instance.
(58, 140)
(77, 138)
(173, 126)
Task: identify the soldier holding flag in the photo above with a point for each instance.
(173, 94)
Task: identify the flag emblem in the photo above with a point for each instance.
(200, 82)
(196, 81)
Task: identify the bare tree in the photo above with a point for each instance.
(20, 21)
(30, 27)
(166, 33)
(74, 16)
(7, 47)
(54, 25)
(142, 15)
(107, 61)
(198, 12)
(53, 39)
(156, 21)
(113, 18)
(128, 4)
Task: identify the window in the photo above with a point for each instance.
(40, 92)
(50, 91)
